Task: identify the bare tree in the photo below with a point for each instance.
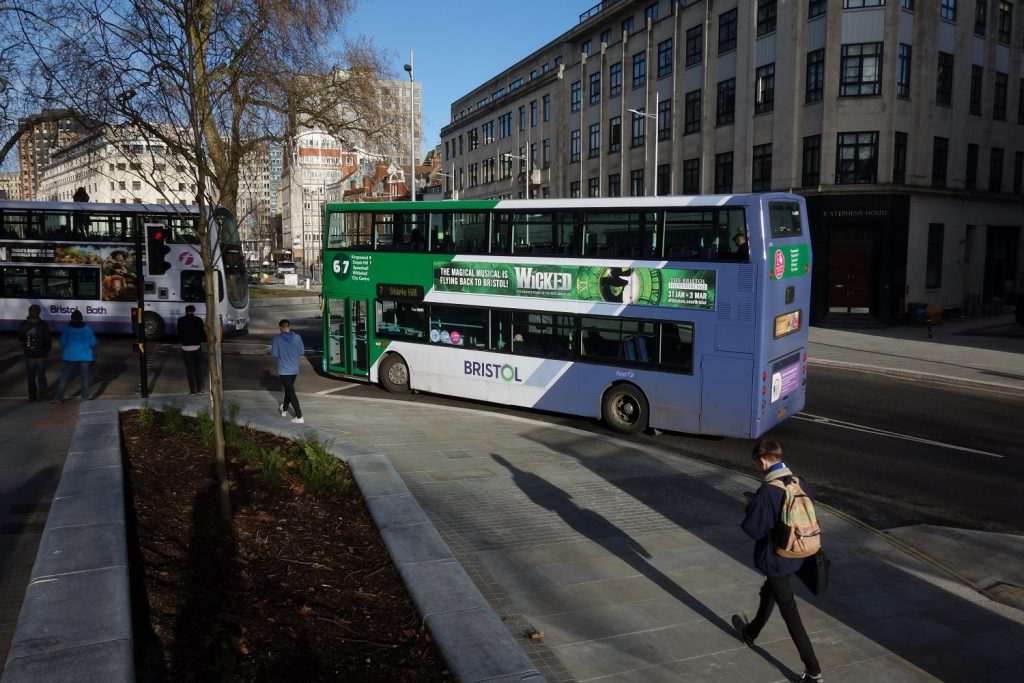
(211, 81)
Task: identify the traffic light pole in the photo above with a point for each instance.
(140, 288)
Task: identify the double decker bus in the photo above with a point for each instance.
(66, 256)
(682, 313)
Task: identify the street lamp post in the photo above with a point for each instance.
(654, 116)
(412, 130)
(529, 170)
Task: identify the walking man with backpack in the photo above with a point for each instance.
(780, 549)
(34, 335)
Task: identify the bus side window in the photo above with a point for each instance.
(677, 346)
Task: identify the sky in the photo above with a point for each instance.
(459, 44)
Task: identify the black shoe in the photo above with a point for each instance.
(740, 624)
(817, 678)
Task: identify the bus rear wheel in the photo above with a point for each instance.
(152, 326)
(394, 374)
(625, 409)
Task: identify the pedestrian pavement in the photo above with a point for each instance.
(628, 558)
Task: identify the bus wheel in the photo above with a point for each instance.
(624, 409)
(394, 374)
(153, 326)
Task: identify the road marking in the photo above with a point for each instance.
(327, 392)
(882, 432)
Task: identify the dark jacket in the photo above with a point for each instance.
(39, 332)
(191, 330)
(762, 515)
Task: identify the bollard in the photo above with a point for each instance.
(307, 283)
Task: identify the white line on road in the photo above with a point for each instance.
(883, 432)
(327, 392)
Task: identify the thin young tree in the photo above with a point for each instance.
(210, 82)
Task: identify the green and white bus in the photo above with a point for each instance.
(679, 313)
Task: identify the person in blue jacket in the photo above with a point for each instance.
(763, 510)
(288, 349)
(76, 341)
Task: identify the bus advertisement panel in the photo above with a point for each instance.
(682, 313)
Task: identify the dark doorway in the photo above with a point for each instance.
(1000, 263)
(851, 272)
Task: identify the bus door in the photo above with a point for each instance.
(346, 335)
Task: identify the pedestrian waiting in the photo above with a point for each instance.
(76, 341)
(192, 334)
(34, 335)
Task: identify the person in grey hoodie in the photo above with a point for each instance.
(288, 349)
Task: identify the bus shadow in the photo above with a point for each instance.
(615, 540)
(886, 598)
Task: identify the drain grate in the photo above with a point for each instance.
(23, 528)
(30, 508)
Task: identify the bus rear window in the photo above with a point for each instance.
(785, 219)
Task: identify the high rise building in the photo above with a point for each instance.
(901, 122)
(37, 144)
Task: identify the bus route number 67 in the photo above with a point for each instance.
(341, 266)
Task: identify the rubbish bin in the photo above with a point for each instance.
(918, 313)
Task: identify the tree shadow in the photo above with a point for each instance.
(612, 538)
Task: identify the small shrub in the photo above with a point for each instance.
(272, 464)
(204, 423)
(146, 415)
(233, 409)
(318, 468)
(235, 434)
(173, 420)
(248, 451)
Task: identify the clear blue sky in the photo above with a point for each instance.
(459, 44)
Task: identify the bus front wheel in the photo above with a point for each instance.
(152, 326)
(624, 409)
(394, 374)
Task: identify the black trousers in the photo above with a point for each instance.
(193, 360)
(290, 399)
(776, 589)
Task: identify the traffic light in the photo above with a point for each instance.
(156, 244)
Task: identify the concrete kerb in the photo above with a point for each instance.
(75, 622)
(919, 375)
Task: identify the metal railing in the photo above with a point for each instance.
(597, 9)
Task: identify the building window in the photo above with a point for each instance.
(593, 187)
(907, 4)
(944, 80)
(764, 95)
(663, 179)
(694, 45)
(1018, 172)
(1005, 21)
(811, 175)
(575, 97)
(574, 189)
(639, 69)
(691, 176)
(664, 58)
(504, 126)
(855, 4)
(899, 159)
(815, 89)
(615, 80)
(940, 158)
(594, 148)
(727, 31)
(980, 17)
(726, 102)
(628, 26)
(971, 170)
(639, 128)
(761, 173)
(665, 120)
(574, 145)
(933, 266)
(903, 71)
(614, 134)
(606, 37)
(999, 97)
(816, 8)
(766, 14)
(595, 88)
(723, 173)
(636, 183)
(487, 132)
(546, 107)
(1020, 102)
(861, 70)
(614, 185)
(975, 103)
(547, 152)
(651, 12)
(533, 113)
(586, 47)
(691, 115)
(857, 158)
(947, 9)
(995, 170)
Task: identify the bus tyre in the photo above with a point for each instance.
(624, 409)
(394, 374)
(152, 326)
